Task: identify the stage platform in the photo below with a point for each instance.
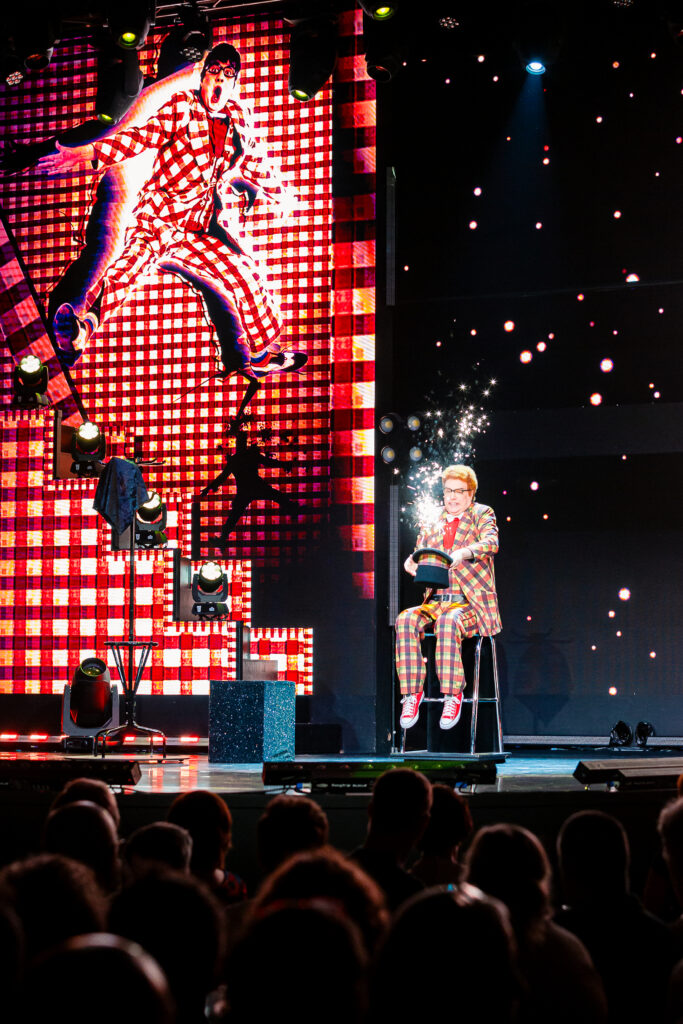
(533, 788)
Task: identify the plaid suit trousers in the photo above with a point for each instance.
(450, 626)
(203, 260)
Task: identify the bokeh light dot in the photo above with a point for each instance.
(551, 337)
(612, 691)
(541, 346)
(534, 485)
(525, 356)
(624, 594)
(528, 618)
(657, 394)
(481, 58)
(617, 214)
(545, 515)
(653, 654)
(473, 225)
(598, 119)
(539, 225)
(546, 160)
(596, 398)
(580, 297)
(477, 191)
(473, 332)
(611, 614)
(618, 632)
(406, 267)
(509, 325)
(606, 365)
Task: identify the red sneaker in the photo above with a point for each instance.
(452, 709)
(411, 709)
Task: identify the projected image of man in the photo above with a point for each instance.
(190, 219)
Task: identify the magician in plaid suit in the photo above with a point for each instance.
(207, 173)
(468, 532)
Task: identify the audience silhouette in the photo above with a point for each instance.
(155, 928)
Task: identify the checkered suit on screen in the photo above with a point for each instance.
(175, 208)
(474, 607)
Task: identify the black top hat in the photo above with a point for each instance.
(432, 570)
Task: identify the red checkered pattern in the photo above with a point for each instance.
(66, 590)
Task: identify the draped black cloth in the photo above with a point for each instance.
(120, 491)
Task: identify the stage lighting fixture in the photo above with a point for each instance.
(413, 422)
(415, 454)
(11, 68)
(379, 10)
(119, 83)
(538, 35)
(388, 422)
(90, 704)
(129, 22)
(34, 39)
(87, 449)
(150, 522)
(210, 590)
(644, 730)
(312, 55)
(620, 735)
(388, 454)
(185, 43)
(30, 382)
(382, 45)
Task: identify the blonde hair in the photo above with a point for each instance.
(464, 473)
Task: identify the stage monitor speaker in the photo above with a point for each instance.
(626, 770)
(22, 773)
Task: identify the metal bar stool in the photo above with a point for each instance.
(431, 686)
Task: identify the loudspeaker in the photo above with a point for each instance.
(251, 721)
(22, 773)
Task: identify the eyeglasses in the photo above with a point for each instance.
(228, 70)
(458, 491)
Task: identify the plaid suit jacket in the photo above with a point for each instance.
(478, 531)
(186, 173)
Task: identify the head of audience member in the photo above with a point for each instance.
(54, 898)
(327, 875)
(315, 962)
(207, 818)
(670, 827)
(159, 846)
(398, 812)
(100, 978)
(450, 823)
(175, 918)
(452, 920)
(84, 831)
(509, 863)
(94, 790)
(594, 859)
(289, 825)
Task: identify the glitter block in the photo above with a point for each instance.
(251, 721)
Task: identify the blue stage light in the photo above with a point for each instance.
(536, 67)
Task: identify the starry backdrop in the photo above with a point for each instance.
(537, 224)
